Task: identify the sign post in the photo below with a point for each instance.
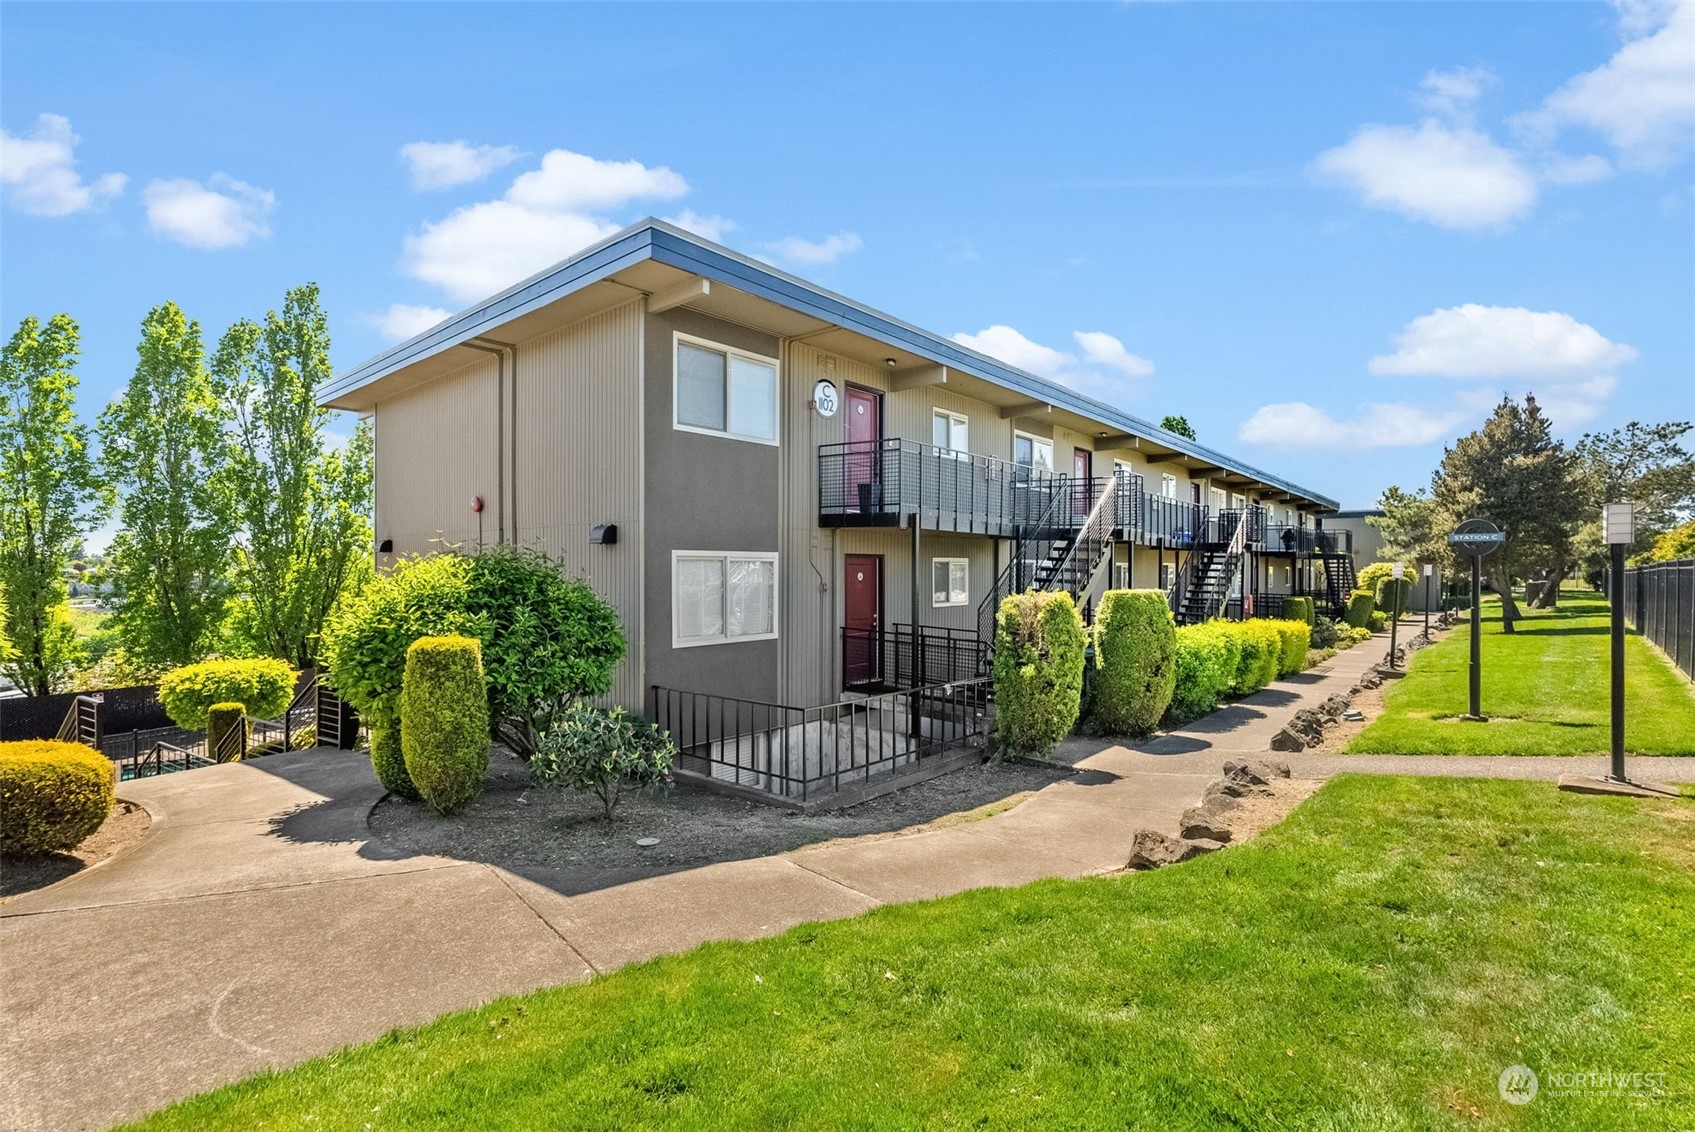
(1395, 613)
(1618, 530)
(1477, 538)
(1429, 569)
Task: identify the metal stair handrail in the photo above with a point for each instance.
(1013, 578)
(1096, 535)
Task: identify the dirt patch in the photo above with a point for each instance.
(123, 827)
(1337, 736)
(1259, 813)
(516, 823)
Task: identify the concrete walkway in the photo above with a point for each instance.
(259, 924)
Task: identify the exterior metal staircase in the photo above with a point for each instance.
(1209, 573)
(1339, 582)
(1058, 551)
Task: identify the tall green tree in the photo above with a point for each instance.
(1180, 425)
(162, 445)
(1411, 527)
(50, 496)
(302, 511)
(1645, 464)
(1512, 471)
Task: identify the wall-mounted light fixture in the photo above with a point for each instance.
(890, 362)
(606, 534)
(386, 546)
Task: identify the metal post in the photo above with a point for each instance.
(1427, 607)
(1476, 637)
(1618, 661)
(1394, 622)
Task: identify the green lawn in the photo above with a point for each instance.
(1545, 690)
(1373, 963)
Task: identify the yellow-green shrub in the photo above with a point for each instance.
(1133, 680)
(264, 685)
(444, 720)
(1038, 670)
(52, 795)
(1300, 609)
(1361, 604)
(221, 719)
(1295, 638)
(1205, 660)
(1262, 648)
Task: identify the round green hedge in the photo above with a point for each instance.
(444, 736)
(1300, 609)
(52, 795)
(221, 719)
(264, 685)
(389, 763)
(1038, 670)
(1135, 674)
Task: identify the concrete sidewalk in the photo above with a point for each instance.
(259, 924)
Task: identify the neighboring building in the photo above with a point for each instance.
(1367, 543)
(807, 495)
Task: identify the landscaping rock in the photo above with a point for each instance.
(1255, 772)
(1288, 739)
(1151, 849)
(1198, 825)
(1216, 804)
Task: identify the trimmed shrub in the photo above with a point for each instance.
(603, 753)
(1326, 632)
(52, 795)
(444, 720)
(1262, 647)
(1393, 595)
(1205, 660)
(389, 764)
(264, 685)
(1371, 579)
(1038, 673)
(1377, 622)
(1295, 638)
(1354, 636)
(1135, 639)
(1300, 609)
(221, 719)
(1360, 605)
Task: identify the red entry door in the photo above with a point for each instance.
(864, 462)
(862, 619)
(1083, 485)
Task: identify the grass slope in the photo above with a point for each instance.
(1373, 963)
(1545, 689)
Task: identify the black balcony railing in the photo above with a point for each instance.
(798, 754)
(879, 483)
(901, 656)
(1284, 539)
(1164, 521)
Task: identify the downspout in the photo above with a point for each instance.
(503, 453)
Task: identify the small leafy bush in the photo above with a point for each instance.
(264, 685)
(1360, 606)
(1294, 638)
(1134, 677)
(1355, 636)
(1038, 670)
(444, 720)
(1393, 595)
(389, 764)
(1326, 633)
(603, 753)
(1319, 656)
(221, 719)
(1300, 609)
(52, 795)
(305, 739)
(1205, 660)
(1377, 622)
(1262, 648)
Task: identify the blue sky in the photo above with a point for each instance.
(1330, 235)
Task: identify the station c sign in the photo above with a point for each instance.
(1477, 538)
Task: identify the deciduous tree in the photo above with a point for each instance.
(162, 444)
(1180, 425)
(50, 496)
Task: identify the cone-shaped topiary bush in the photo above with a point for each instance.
(1038, 670)
(1135, 670)
(1361, 605)
(264, 685)
(389, 764)
(1300, 609)
(52, 795)
(221, 719)
(444, 720)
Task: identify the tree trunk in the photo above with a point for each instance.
(1550, 595)
(1503, 583)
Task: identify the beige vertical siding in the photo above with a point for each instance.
(436, 449)
(578, 462)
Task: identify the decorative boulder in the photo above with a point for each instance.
(1150, 849)
(1198, 825)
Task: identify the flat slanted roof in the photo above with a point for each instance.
(659, 242)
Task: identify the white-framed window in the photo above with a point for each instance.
(1167, 576)
(1168, 485)
(951, 432)
(1238, 502)
(1120, 575)
(724, 392)
(1032, 452)
(718, 597)
(1216, 498)
(950, 581)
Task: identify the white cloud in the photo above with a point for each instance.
(441, 165)
(813, 252)
(404, 320)
(223, 213)
(1559, 169)
(1103, 349)
(1642, 100)
(713, 228)
(39, 171)
(547, 214)
(1082, 373)
(1452, 93)
(1479, 342)
(1296, 425)
(1454, 177)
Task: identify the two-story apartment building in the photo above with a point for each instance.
(785, 493)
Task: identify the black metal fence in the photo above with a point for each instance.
(876, 483)
(1660, 602)
(901, 657)
(798, 754)
(121, 709)
(155, 750)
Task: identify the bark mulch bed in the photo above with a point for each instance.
(126, 825)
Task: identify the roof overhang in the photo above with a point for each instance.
(656, 258)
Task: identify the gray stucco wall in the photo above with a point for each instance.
(705, 493)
